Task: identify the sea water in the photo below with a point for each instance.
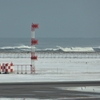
(50, 44)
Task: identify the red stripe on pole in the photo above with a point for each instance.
(34, 58)
(34, 26)
(34, 42)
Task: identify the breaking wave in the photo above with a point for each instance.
(15, 48)
(26, 48)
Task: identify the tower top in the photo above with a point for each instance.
(34, 26)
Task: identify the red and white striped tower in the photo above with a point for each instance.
(33, 43)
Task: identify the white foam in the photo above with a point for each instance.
(57, 48)
(82, 49)
(15, 47)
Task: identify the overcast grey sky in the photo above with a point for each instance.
(56, 18)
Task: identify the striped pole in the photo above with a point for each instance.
(0, 68)
(33, 43)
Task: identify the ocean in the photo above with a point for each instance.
(50, 44)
